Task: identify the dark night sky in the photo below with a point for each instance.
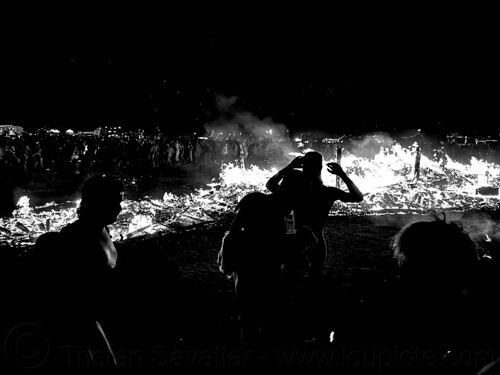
(354, 76)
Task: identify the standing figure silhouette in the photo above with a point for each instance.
(74, 270)
(314, 206)
(253, 252)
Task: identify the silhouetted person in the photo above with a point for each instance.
(314, 207)
(75, 277)
(438, 267)
(431, 307)
(436, 258)
(253, 252)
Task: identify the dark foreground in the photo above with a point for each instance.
(172, 308)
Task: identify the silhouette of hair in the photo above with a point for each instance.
(97, 191)
(312, 163)
(436, 252)
(253, 208)
(293, 182)
(250, 200)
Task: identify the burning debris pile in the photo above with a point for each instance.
(395, 180)
(145, 216)
(403, 180)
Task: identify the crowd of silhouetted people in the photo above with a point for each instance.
(88, 301)
(131, 152)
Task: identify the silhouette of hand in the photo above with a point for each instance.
(297, 162)
(335, 168)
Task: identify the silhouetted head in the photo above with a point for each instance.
(101, 198)
(293, 187)
(250, 210)
(258, 212)
(437, 255)
(312, 164)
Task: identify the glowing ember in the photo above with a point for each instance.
(23, 203)
(232, 175)
(390, 184)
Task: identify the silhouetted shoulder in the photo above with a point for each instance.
(47, 238)
(252, 199)
(336, 194)
(333, 192)
(47, 244)
(47, 257)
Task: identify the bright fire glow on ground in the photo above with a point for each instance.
(388, 181)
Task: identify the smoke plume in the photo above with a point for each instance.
(225, 103)
(236, 123)
(370, 144)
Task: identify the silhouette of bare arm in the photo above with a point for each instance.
(354, 194)
(273, 183)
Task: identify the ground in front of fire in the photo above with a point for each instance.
(173, 305)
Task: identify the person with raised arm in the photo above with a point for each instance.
(253, 252)
(314, 207)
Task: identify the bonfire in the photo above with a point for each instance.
(396, 180)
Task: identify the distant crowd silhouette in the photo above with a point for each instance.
(29, 153)
(134, 152)
(93, 300)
